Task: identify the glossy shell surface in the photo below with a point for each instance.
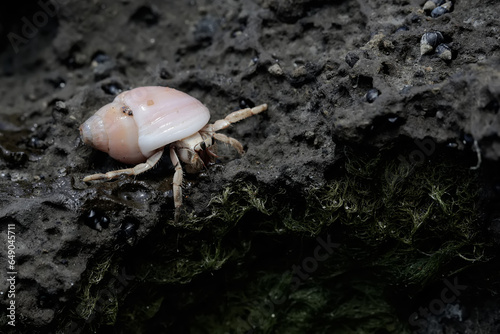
(142, 120)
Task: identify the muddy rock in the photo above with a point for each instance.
(338, 76)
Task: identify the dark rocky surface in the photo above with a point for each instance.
(335, 74)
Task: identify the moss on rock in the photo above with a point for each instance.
(259, 263)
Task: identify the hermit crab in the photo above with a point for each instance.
(139, 123)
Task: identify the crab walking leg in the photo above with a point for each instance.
(231, 141)
(177, 182)
(234, 117)
(140, 168)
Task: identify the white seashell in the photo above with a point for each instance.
(140, 121)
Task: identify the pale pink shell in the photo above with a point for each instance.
(140, 121)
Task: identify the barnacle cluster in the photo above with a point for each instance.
(434, 41)
(436, 8)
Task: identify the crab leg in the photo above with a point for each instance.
(138, 169)
(177, 183)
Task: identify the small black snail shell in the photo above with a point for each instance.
(351, 59)
(128, 231)
(429, 41)
(444, 52)
(438, 11)
(96, 220)
(431, 4)
(372, 95)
